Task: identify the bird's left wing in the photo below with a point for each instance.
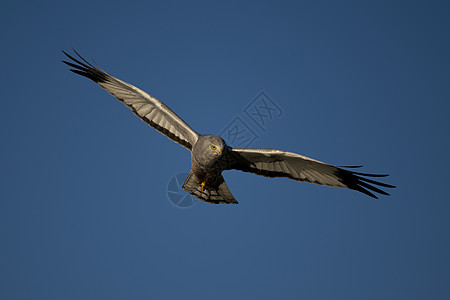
(277, 163)
(149, 109)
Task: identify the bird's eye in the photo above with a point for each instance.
(213, 147)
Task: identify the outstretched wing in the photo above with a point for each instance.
(277, 163)
(150, 110)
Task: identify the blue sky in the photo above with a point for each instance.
(84, 212)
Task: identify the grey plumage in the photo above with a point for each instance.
(210, 155)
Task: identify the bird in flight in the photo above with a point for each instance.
(210, 155)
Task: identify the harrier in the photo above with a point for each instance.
(210, 155)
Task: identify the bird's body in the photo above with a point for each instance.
(206, 175)
(210, 155)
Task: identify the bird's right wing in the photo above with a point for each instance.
(149, 109)
(277, 163)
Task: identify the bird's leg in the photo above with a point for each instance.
(202, 183)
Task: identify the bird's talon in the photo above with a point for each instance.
(203, 186)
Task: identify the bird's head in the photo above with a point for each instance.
(208, 149)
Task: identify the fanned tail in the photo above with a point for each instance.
(218, 194)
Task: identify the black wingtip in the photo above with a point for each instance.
(370, 175)
(84, 68)
(373, 188)
(376, 182)
(350, 167)
(82, 58)
(358, 181)
(368, 193)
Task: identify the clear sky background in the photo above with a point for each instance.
(84, 212)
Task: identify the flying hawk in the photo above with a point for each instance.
(210, 155)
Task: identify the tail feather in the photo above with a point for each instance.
(218, 194)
